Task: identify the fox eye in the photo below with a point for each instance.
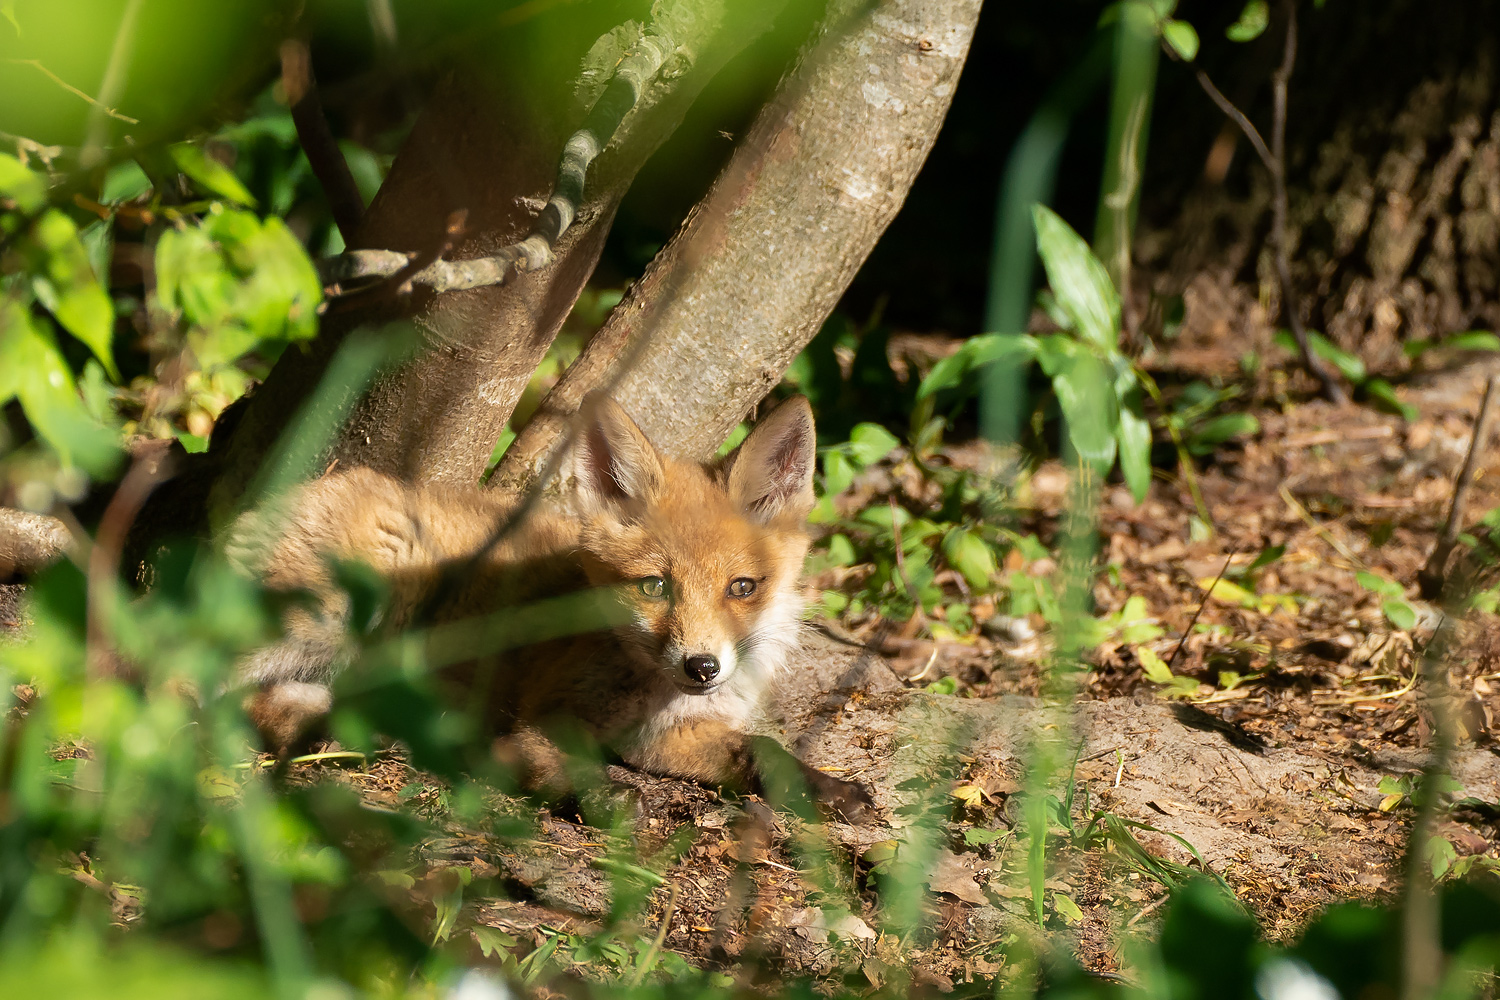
(652, 586)
(742, 587)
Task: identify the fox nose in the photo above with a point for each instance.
(701, 667)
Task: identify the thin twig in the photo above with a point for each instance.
(399, 284)
(65, 85)
(1207, 596)
(1430, 579)
(1274, 159)
(536, 251)
(322, 149)
(1238, 117)
(649, 959)
(1279, 80)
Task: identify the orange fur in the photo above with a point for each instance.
(701, 562)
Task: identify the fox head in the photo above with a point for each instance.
(705, 558)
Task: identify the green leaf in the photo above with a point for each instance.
(33, 370)
(869, 443)
(1383, 395)
(1079, 282)
(1085, 393)
(210, 174)
(1472, 340)
(1152, 665)
(975, 353)
(971, 556)
(1222, 428)
(238, 283)
(1400, 614)
(976, 836)
(1348, 365)
(838, 473)
(1267, 556)
(1182, 38)
(943, 685)
(841, 550)
(23, 186)
(1134, 436)
(1379, 585)
(1252, 22)
(125, 181)
(68, 288)
(1440, 855)
(1063, 904)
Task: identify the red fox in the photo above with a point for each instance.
(703, 560)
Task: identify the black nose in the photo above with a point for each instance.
(702, 668)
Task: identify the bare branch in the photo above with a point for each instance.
(1323, 372)
(323, 153)
(30, 542)
(1238, 117)
(535, 251)
(1430, 579)
(1275, 160)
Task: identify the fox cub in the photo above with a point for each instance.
(702, 560)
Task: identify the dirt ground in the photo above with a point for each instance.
(1275, 780)
(1270, 768)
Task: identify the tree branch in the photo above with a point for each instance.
(1238, 117)
(1432, 576)
(536, 250)
(322, 149)
(756, 268)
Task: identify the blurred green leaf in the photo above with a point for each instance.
(1253, 20)
(1134, 435)
(67, 287)
(125, 181)
(971, 556)
(1383, 395)
(1182, 38)
(23, 186)
(869, 443)
(838, 473)
(1085, 392)
(1377, 584)
(33, 370)
(975, 353)
(210, 174)
(238, 283)
(1348, 365)
(1400, 614)
(1215, 431)
(1079, 282)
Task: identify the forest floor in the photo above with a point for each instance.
(1282, 757)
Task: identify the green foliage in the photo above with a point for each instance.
(1378, 391)
(1252, 22)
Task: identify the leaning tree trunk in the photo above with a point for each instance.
(761, 262)
(488, 145)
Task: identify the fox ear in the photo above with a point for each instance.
(614, 463)
(771, 474)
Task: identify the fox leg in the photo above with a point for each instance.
(715, 753)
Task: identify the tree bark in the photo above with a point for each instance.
(764, 258)
(489, 145)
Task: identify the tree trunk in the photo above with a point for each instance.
(488, 144)
(763, 259)
(1393, 176)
